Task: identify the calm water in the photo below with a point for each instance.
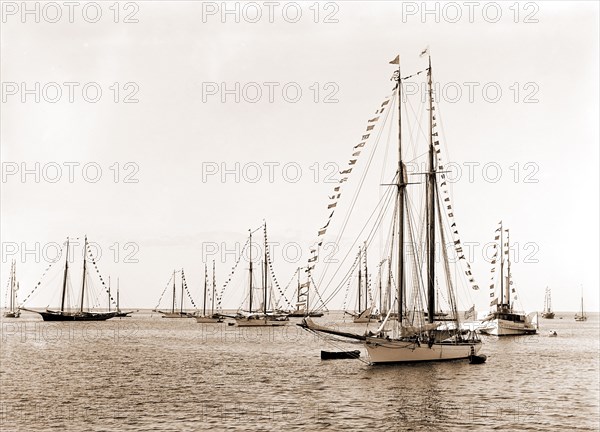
(153, 374)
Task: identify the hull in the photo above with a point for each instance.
(16, 314)
(499, 327)
(548, 315)
(260, 322)
(208, 319)
(123, 314)
(580, 318)
(86, 316)
(176, 315)
(302, 314)
(382, 350)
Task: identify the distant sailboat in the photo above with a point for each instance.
(174, 312)
(581, 316)
(302, 300)
(505, 321)
(213, 317)
(79, 315)
(548, 314)
(364, 314)
(13, 309)
(266, 317)
(119, 312)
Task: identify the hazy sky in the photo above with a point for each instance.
(179, 136)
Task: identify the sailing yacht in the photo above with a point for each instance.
(119, 313)
(364, 314)
(264, 317)
(421, 337)
(409, 245)
(213, 317)
(302, 300)
(13, 309)
(63, 314)
(505, 321)
(548, 314)
(174, 312)
(581, 316)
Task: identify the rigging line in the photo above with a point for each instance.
(289, 283)
(219, 297)
(354, 244)
(163, 293)
(447, 270)
(350, 249)
(324, 306)
(361, 182)
(43, 274)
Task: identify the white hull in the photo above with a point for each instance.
(499, 327)
(398, 351)
(259, 322)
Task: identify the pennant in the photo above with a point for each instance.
(370, 127)
(385, 102)
(457, 242)
(497, 238)
(447, 199)
(304, 285)
(362, 144)
(356, 153)
(396, 60)
(313, 259)
(352, 161)
(373, 120)
(434, 134)
(425, 51)
(322, 232)
(494, 302)
(336, 189)
(364, 137)
(347, 171)
(333, 205)
(436, 143)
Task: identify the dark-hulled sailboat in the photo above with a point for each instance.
(78, 315)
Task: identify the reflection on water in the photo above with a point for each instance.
(153, 374)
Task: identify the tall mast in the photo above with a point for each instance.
(380, 289)
(109, 293)
(366, 279)
(265, 273)
(84, 270)
(431, 192)
(359, 280)
(508, 276)
(212, 297)
(501, 265)
(401, 192)
(298, 292)
(12, 285)
(205, 288)
(118, 310)
(173, 307)
(181, 301)
(250, 249)
(64, 287)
